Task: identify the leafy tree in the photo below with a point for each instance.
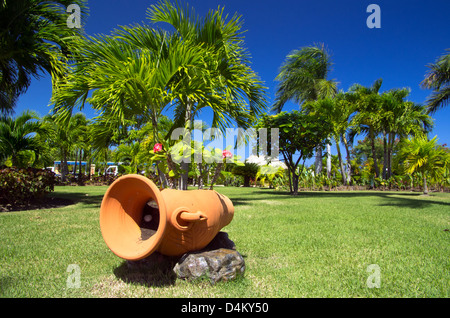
(34, 38)
(299, 134)
(438, 79)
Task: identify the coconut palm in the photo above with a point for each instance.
(304, 77)
(438, 79)
(34, 38)
(18, 135)
(424, 156)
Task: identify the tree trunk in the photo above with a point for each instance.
(290, 181)
(217, 174)
(328, 160)
(75, 165)
(318, 162)
(341, 165)
(200, 176)
(374, 153)
(246, 181)
(349, 166)
(64, 168)
(185, 165)
(389, 154)
(425, 186)
(385, 158)
(295, 183)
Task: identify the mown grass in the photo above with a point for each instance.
(318, 244)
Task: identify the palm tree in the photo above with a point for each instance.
(338, 112)
(424, 156)
(137, 72)
(19, 135)
(64, 136)
(367, 118)
(400, 119)
(130, 153)
(304, 77)
(81, 140)
(230, 87)
(34, 38)
(438, 79)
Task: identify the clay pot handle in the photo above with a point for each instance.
(193, 217)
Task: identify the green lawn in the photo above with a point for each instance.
(318, 244)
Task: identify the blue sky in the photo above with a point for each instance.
(413, 34)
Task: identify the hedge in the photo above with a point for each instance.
(22, 186)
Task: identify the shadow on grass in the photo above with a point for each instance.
(93, 201)
(414, 200)
(148, 277)
(154, 271)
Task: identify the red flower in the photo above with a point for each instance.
(226, 154)
(157, 147)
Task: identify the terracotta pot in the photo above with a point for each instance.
(137, 219)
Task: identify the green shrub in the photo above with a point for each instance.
(23, 185)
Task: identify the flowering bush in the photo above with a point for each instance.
(226, 154)
(157, 147)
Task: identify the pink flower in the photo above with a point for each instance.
(226, 154)
(157, 147)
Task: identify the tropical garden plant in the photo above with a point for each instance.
(303, 77)
(18, 138)
(438, 79)
(299, 134)
(425, 156)
(140, 71)
(34, 39)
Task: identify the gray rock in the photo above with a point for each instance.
(218, 265)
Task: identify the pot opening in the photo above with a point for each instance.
(149, 220)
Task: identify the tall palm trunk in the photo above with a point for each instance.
(425, 186)
(374, 153)
(385, 156)
(183, 185)
(328, 160)
(318, 162)
(349, 166)
(64, 168)
(390, 147)
(341, 164)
